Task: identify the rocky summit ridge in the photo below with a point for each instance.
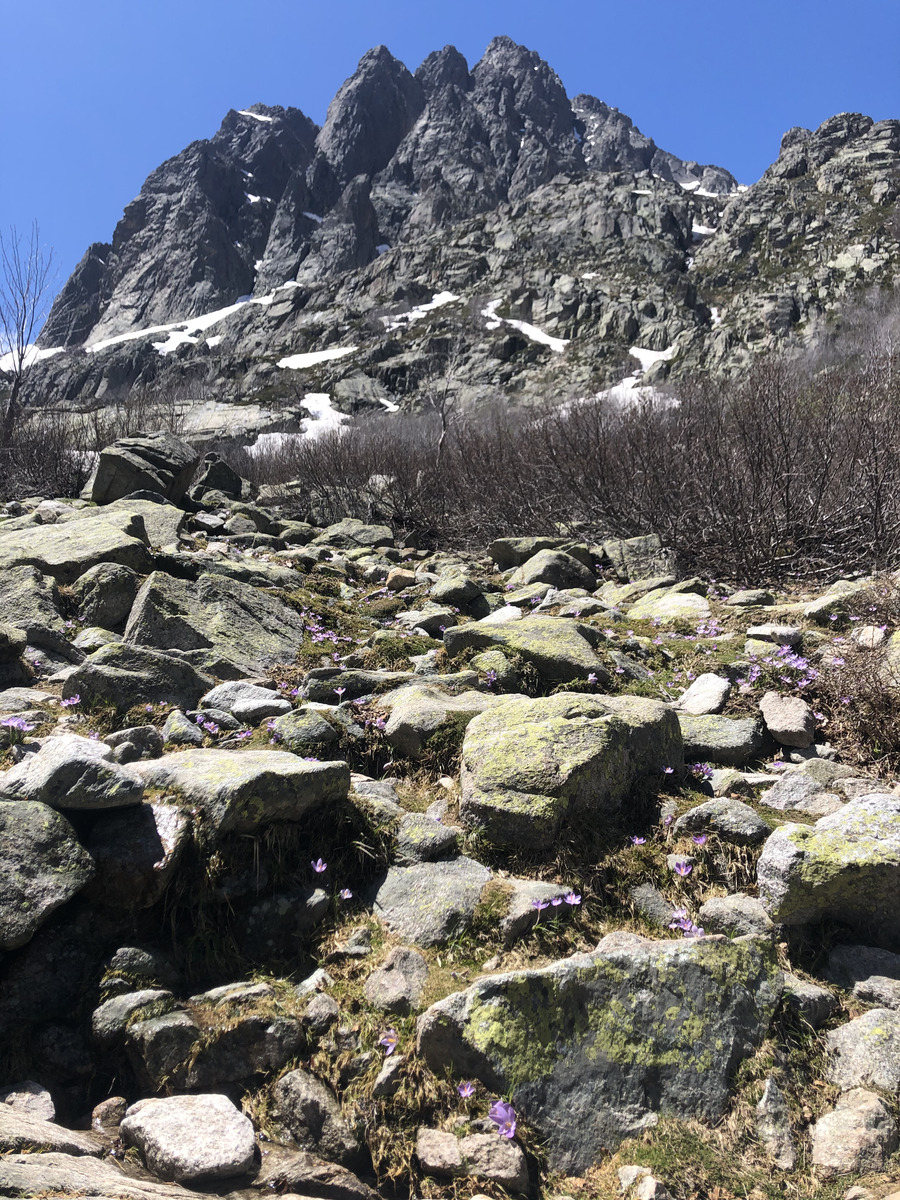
(547, 242)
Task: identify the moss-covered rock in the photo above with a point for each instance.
(560, 650)
(528, 764)
(597, 1047)
(419, 710)
(846, 868)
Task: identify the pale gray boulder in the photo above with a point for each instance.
(187, 1138)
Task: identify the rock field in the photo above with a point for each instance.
(333, 867)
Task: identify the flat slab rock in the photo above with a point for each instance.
(62, 1174)
(428, 902)
(72, 772)
(558, 649)
(241, 791)
(184, 1138)
(20, 1131)
(595, 1047)
(68, 550)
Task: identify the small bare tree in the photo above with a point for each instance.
(25, 293)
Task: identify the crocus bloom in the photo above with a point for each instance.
(339, 691)
(556, 901)
(638, 841)
(668, 770)
(683, 868)
(71, 700)
(572, 898)
(466, 1090)
(318, 866)
(389, 1040)
(540, 905)
(345, 894)
(699, 839)
(592, 678)
(504, 1117)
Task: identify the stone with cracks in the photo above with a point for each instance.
(845, 868)
(707, 694)
(184, 1138)
(62, 1174)
(246, 701)
(729, 741)
(72, 772)
(599, 1046)
(530, 766)
(429, 902)
(872, 975)
(123, 676)
(154, 462)
(866, 1051)
(309, 1114)
(244, 629)
(41, 868)
(419, 710)
(856, 1138)
(21, 1131)
(731, 820)
(555, 567)
(243, 792)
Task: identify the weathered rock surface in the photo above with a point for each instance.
(72, 773)
(184, 1138)
(123, 676)
(156, 462)
(856, 1137)
(528, 766)
(243, 792)
(846, 866)
(310, 1116)
(595, 1047)
(398, 983)
(559, 650)
(427, 903)
(866, 1051)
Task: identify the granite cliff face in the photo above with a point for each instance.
(557, 238)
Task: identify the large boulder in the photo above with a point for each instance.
(123, 676)
(20, 1131)
(844, 868)
(72, 772)
(42, 866)
(243, 792)
(136, 851)
(557, 568)
(420, 710)
(32, 600)
(61, 1173)
(428, 903)
(595, 1048)
(559, 649)
(243, 629)
(153, 462)
(529, 765)
(104, 594)
(308, 1113)
(68, 550)
(191, 1137)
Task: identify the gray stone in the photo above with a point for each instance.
(486, 1156)
(651, 904)
(638, 557)
(735, 916)
(110, 1021)
(244, 1047)
(72, 772)
(555, 568)
(428, 903)
(801, 793)
(808, 1001)
(66, 551)
(432, 620)
(63, 1174)
(137, 852)
(388, 1080)
(33, 600)
(29, 1098)
(521, 914)
(398, 984)
(856, 1138)
(41, 868)
(783, 635)
(669, 606)
(750, 597)
(123, 676)
(422, 839)
(180, 731)
(731, 820)
(592, 1048)
(191, 1137)
(707, 694)
(866, 1051)
(322, 683)
(276, 926)
(512, 552)
(154, 462)
(528, 766)
(789, 719)
(12, 643)
(871, 975)
(350, 533)
(559, 650)
(243, 792)
(773, 1127)
(846, 867)
(729, 741)
(286, 1171)
(247, 702)
(245, 629)
(439, 1153)
(308, 1113)
(321, 1012)
(157, 1047)
(303, 731)
(23, 1131)
(419, 710)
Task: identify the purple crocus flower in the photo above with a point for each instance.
(683, 868)
(699, 839)
(318, 866)
(466, 1089)
(540, 905)
(638, 841)
(503, 1115)
(72, 700)
(345, 894)
(572, 898)
(339, 691)
(556, 901)
(389, 1040)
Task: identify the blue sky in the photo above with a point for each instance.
(98, 93)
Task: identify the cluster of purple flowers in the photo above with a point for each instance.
(71, 702)
(317, 631)
(19, 724)
(701, 770)
(573, 899)
(680, 920)
(791, 669)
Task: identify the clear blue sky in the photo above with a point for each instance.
(96, 93)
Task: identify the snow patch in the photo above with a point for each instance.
(314, 217)
(489, 312)
(245, 112)
(29, 358)
(701, 231)
(297, 362)
(715, 315)
(383, 248)
(214, 341)
(694, 186)
(438, 300)
(641, 192)
(648, 357)
(253, 199)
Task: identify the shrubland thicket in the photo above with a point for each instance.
(790, 469)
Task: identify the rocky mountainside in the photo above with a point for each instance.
(331, 865)
(472, 221)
